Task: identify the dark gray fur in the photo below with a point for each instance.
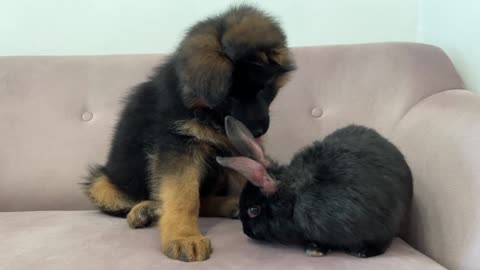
(349, 192)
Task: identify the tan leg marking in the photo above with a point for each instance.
(179, 194)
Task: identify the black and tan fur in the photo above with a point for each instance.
(161, 166)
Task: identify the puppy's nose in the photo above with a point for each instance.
(259, 131)
(261, 127)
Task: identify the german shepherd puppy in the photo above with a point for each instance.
(161, 166)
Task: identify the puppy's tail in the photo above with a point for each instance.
(105, 195)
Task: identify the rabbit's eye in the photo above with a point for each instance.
(253, 211)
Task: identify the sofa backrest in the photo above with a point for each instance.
(369, 84)
(48, 139)
(47, 136)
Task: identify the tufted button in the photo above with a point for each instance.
(316, 112)
(87, 116)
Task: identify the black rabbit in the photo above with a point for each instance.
(350, 192)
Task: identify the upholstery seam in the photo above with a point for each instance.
(421, 101)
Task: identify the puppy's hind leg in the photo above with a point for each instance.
(143, 214)
(105, 195)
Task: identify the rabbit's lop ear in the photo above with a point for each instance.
(243, 140)
(252, 170)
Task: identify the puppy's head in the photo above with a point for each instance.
(235, 64)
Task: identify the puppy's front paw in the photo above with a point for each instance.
(234, 213)
(188, 249)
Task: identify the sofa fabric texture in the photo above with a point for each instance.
(57, 115)
(89, 240)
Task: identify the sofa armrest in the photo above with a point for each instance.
(440, 138)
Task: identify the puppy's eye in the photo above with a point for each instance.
(254, 211)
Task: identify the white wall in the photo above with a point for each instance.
(63, 27)
(76, 27)
(454, 25)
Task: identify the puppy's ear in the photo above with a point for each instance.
(243, 141)
(282, 57)
(204, 61)
(204, 71)
(248, 30)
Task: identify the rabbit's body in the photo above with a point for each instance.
(349, 192)
(352, 191)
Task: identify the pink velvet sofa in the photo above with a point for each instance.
(57, 113)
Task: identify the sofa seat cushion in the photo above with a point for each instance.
(90, 240)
